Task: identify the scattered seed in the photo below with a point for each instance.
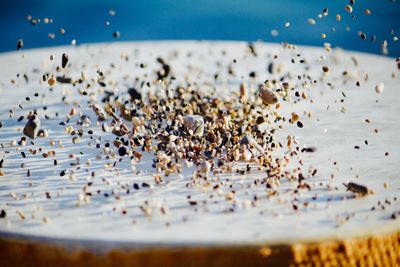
(116, 34)
(64, 60)
(31, 128)
(122, 151)
(20, 44)
(299, 124)
(357, 188)
(311, 21)
(52, 81)
(3, 214)
(379, 87)
(111, 12)
(268, 96)
(348, 8)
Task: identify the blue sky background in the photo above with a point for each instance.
(250, 20)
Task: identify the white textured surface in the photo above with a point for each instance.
(273, 220)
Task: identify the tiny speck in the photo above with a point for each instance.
(20, 44)
(116, 34)
(299, 124)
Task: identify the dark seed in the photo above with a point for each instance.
(357, 188)
(32, 127)
(122, 151)
(116, 34)
(63, 79)
(20, 44)
(309, 149)
(64, 60)
(135, 95)
(271, 68)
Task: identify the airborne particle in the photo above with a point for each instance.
(299, 124)
(32, 127)
(311, 21)
(268, 96)
(116, 34)
(379, 87)
(111, 12)
(20, 44)
(348, 8)
(122, 151)
(64, 60)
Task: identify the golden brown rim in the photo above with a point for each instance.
(370, 251)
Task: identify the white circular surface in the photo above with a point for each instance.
(272, 219)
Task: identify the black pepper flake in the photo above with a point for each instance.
(394, 215)
(62, 173)
(20, 44)
(122, 151)
(309, 149)
(64, 60)
(357, 188)
(271, 68)
(3, 214)
(116, 34)
(135, 95)
(299, 124)
(63, 79)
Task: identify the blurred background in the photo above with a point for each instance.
(89, 21)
